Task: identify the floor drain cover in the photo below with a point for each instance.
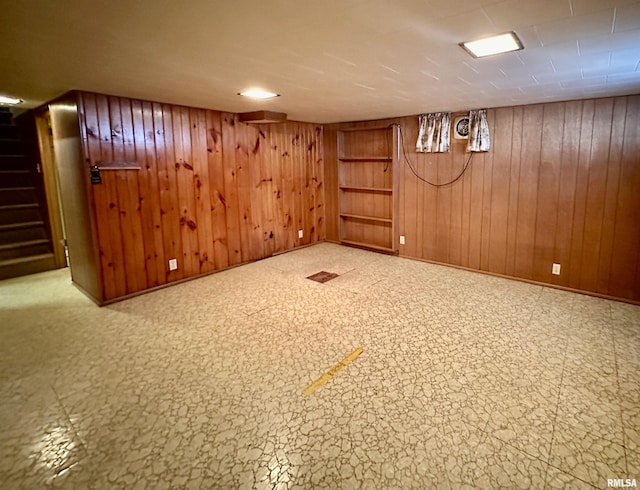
(322, 276)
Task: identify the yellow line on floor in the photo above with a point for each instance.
(322, 380)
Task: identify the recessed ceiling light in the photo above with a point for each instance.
(502, 43)
(256, 93)
(5, 99)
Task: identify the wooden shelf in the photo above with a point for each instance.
(368, 218)
(367, 245)
(366, 189)
(365, 159)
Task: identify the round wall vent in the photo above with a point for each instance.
(461, 127)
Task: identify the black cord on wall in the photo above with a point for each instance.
(422, 179)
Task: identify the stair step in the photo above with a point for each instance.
(21, 225)
(21, 266)
(18, 206)
(19, 260)
(18, 195)
(18, 213)
(24, 249)
(22, 232)
(13, 162)
(28, 243)
(9, 131)
(11, 146)
(15, 178)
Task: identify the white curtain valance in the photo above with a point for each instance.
(434, 134)
(479, 139)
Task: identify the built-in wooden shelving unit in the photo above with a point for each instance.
(367, 168)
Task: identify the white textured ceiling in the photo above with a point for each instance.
(332, 60)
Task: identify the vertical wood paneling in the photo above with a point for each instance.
(257, 213)
(298, 177)
(129, 203)
(231, 189)
(596, 188)
(447, 217)
(567, 191)
(560, 184)
(217, 190)
(209, 190)
(277, 196)
(455, 214)
(514, 162)
(142, 192)
(318, 177)
(548, 185)
(264, 181)
(410, 208)
(186, 191)
(611, 194)
(308, 191)
(197, 122)
(107, 215)
(580, 202)
(466, 183)
(425, 216)
(528, 195)
(150, 203)
(294, 180)
(297, 143)
(244, 191)
(169, 198)
(476, 182)
(487, 195)
(289, 187)
(330, 156)
(427, 204)
(626, 248)
(500, 180)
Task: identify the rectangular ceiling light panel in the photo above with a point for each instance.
(257, 93)
(6, 99)
(502, 43)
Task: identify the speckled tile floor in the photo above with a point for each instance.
(466, 381)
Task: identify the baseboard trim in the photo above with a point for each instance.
(191, 278)
(528, 281)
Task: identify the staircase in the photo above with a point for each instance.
(25, 244)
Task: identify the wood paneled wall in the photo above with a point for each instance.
(211, 191)
(561, 184)
(75, 193)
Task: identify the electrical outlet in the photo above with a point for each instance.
(173, 264)
(300, 233)
(555, 269)
(401, 239)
